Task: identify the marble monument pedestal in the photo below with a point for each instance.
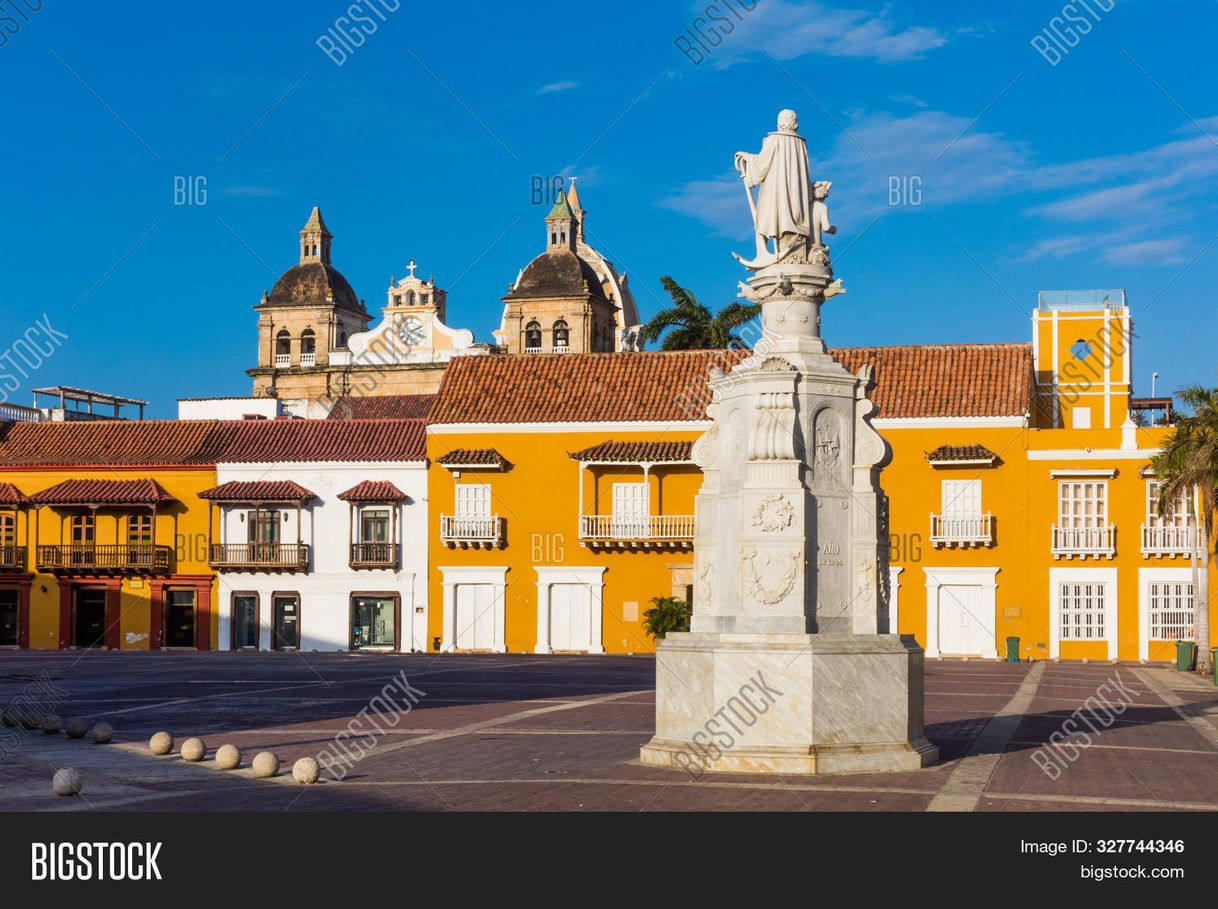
(789, 703)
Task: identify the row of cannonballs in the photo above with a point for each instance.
(76, 728)
(228, 757)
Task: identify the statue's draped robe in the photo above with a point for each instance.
(781, 167)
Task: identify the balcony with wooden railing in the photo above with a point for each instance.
(962, 530)
(260, 556)
(637, 531)
(374, 555)
(108, 557)
(1084, 542)
(482, 530)
(12, 558)
(1167, 540)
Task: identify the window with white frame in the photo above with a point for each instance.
(1177, 514)
(1171, 610)
(961, 498)
(1082, 504)
(1083, 606)
(473, 500)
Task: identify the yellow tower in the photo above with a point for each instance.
(1083, 360)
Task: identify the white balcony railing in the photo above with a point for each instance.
(660, 528)
(961, 530)
(532, 350)
(480, 530)
(308, 359)
(1167, 540)
(561, 348)
(1084, 542)
(282, 361)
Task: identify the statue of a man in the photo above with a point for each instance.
(781, 170)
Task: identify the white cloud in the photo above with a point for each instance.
(795, 29)
(557, 87)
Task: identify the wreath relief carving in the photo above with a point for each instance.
(772, 514)
(771, 577)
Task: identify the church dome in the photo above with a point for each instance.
(558, 273)
(312, 283)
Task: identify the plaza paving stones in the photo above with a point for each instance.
(524, 733)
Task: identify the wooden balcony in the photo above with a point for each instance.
(374, 555)
(1084, 542)
(459, 530)
(260, 556)
(12, 558)
(637, 531)
(144, 557)
(1167, 540)
(961, 530)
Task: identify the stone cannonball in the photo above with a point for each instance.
(160, 743)
(103, 733)
(51, 724)
(193, 750)
(67, 781)
(228, 757)
(76, 728)
(306, 771)
(266, 764)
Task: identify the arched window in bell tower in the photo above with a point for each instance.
(283, 348)
(562, 334)
(532, 337)
(409, 298)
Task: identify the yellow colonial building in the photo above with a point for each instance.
(1020, 500)
(103, 538)
(561, 492)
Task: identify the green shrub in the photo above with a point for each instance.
(668, 614)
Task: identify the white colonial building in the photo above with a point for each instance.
(318, 532)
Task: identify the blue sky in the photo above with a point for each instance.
(1096, 172)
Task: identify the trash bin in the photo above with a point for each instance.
(1012, 650)
(1185, 651)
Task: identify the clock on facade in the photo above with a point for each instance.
(411, 330)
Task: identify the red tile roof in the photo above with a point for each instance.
(258, 491)
(373, 491)
(257, 441)
(102, 492)
(636, 452)
(579, 387)
(111, 442)
(11, 495)
(472, 457)
(948, 380)
(381, 407)
(961, 453)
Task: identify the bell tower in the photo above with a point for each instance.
(315, 240)
(560, 226)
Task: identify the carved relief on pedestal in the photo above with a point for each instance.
(770, 578)
(772, 514)
(827, 439)
(870, 448)
(773, 437)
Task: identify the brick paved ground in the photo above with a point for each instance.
(562, 733)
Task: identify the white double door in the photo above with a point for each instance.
(474, 616)
(570, 617)
(962, 620)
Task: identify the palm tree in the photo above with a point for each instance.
(1188, 466)
(690, 325)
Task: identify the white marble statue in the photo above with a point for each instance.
(784, 205)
